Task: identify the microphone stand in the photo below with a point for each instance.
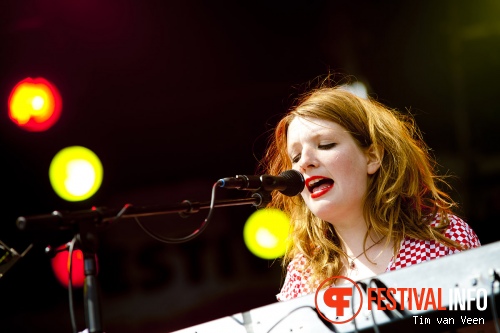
(85, 223)
(88, 244)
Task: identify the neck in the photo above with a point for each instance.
(353, 235)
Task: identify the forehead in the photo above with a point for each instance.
(301, 127)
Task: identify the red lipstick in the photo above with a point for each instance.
(319, 185)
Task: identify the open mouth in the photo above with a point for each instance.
(319, 185)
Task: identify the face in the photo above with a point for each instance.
(335, 167)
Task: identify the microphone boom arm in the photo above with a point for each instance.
(58, 220)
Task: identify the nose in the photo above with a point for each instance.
(307, 159)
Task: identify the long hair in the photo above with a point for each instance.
(402, 196)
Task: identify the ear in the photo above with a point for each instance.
(374, 157)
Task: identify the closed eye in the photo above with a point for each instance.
(327, 146)
(296, 158)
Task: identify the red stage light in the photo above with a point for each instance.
(35, 104)
(60, 266)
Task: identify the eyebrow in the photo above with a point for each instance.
(317, 135)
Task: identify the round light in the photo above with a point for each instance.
(60, 267)
(75, 173)
(35, 104)
(266, 232)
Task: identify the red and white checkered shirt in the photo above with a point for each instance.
(411, 252)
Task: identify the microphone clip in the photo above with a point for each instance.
(263, 198)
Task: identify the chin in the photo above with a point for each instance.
(324, 214)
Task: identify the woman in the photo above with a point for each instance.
(371, 202)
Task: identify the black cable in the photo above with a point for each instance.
(327, 323)
(354, 288)
(288, 314)
(189, 237)
(70, 285)
(496, 278)
(375, 326)
(236, 320)
(398, 311)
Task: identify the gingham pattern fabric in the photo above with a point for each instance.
(412, 251)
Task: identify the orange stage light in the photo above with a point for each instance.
(35, 104)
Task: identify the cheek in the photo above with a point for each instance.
(304, 194)
(345, 165)
(352, 161)
(350, 172)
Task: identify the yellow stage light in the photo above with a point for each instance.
(266, 233)
(75, 173)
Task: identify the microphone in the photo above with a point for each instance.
(290, 182)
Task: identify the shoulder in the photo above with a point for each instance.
(296, 281)
(413, 251)
(459, 231)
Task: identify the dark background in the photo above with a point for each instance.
(173, 96)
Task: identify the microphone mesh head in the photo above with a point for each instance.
(295, 182)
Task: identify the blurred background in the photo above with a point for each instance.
(172, 96)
